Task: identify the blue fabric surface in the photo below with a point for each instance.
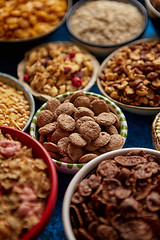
(139, 127)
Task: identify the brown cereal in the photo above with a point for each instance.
(50, 127)
(66, 122)
(90, 130)
(116, 142)
(101, 140)
(77, 140)
(82, 120)
(82, 101)
(52, 104)
(75, 153)
(106, 119)
(67, 108)
(62, 146)
(87, 157)
(99, 106)
(44, 117)
(83, 111)
(131, 76)
(75, 134)
(112, 203)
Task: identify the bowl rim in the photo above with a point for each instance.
(69, 5)
(43, 97)
(101, 89)
(25, 90)
(39, 227)
(135, 3)
(80, 175)
(70, 166)
(148, 2)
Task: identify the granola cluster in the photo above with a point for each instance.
(119, 200)
(132, 75)
(54, 69)
(24, 188)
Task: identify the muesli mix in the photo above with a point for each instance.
(56, 68)
(120, 199)
(78, 129)
(132, 75)
(24, 188)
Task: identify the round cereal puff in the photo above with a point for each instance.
(58, 134)
(49, 146)
(106, 119)
(111, 129)
(75, 95)
(66, 122)
(82, 120)
(50, 127)
(101, 140)
(87, 157)
(75, 153)
(99, 106)
(82, 101)
(52, 104)
(83, 111)
(90, 130)
(44, 117)
(115, 143)
(67, 108)
(77, 140)
(62, 146)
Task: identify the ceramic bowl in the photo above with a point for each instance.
(72, 168)
(13, 82)
(59, 74)
(38, 152)
(41, 17)
(141, 109)
(156, 132)
(72, 187)
(102, 50)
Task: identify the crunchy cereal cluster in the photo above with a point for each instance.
(14, 108)
(132, 75)
(24, 19)
(120, 200)
(24, 188)
(79, 129)
(54, 69)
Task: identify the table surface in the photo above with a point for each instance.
(139, 126)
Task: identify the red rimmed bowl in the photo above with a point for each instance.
(38, 152)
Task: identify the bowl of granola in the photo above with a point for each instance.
(28, 189)
(55, 68)
(115, 197)
(17, 106)
(130, 77)
(103, 26)
(26, 21)
(77, 127)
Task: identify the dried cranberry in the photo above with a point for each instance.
(72, 54)
(68, 58)
(76, 81)
(26, 77)
(67, 70)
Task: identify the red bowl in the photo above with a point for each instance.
(39, 152)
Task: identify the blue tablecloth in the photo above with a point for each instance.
(139, 127)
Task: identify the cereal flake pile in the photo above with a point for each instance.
(28, 18)
(24, 188)
(119, 200)
(132, 75)
(78, 129)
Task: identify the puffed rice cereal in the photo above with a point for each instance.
(56, 68)
(14, 108)
(29, 18)
(24, 188)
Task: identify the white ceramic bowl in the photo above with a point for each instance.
(141, 110)
(45, 97)
(91, 166)
(152, 11)
(71, 168)
(13, 82)
(102, 50)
